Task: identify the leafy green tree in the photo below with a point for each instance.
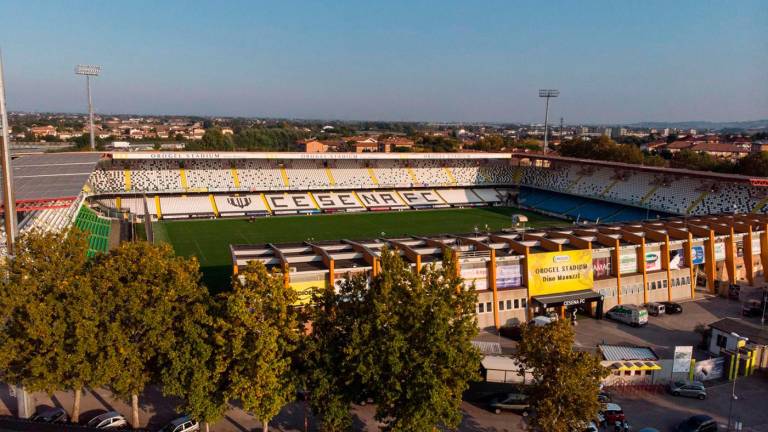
(403, 338)
(755, 164)
(565, 382)
(257, 332)
(191, 370)
(50, 316)
(146, 290)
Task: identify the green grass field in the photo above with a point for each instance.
(209, 240)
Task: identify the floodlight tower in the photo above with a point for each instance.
(547, 93)
(89, 71)
(9, 203)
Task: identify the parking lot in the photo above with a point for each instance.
(643, 409)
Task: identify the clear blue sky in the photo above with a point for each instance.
(614, 61)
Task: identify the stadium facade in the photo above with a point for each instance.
(650, 232)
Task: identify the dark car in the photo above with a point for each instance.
(752, 308)
(697, 423)
(604, 397)
(511, 402)
(50, 415)
(513, 332)
(672, 308)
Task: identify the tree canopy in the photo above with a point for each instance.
(565, 382)
(402, 338)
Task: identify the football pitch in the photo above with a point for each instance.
(209, 239)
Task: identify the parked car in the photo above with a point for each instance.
(628, 314)
(648, 430)
(181, 424)
(693, 389)
(541, 321)
(50, 415)
(604, 397)
(108, 420)
(752, 308)
(511, 402)
(654, 308)
(513, 332)
(697, 423)
(672, 308)
(612, 413)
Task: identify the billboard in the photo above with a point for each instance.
(676, 259)
(477, 275)
(628, 262)
(719, 251)
(682, 359)
(698, 255)
(653, 261)
(711, 369)
(509, 276)
(602, 267)
(558, 272)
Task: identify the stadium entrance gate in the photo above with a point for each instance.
(587, 301)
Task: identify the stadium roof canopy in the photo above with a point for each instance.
(51, 176)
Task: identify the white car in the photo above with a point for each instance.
(181, 424)
(108, 420)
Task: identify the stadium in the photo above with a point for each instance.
(533, 233)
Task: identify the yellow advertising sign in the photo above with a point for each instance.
(559, 272)
(304, 291)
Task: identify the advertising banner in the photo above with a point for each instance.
(509, 276)
(698, 254)
(477, 276)
(711, 369)
(676, 259)
(682, 359)
(602, 267)
(304, 290)
(719, 251)
(653, 261)
(628, 262)
(558, 272)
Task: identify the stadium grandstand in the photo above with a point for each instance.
(639, 234)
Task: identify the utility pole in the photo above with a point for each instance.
(9, 202)
(561, 131)
(547, 93)
(89, 71)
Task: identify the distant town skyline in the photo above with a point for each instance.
(614, 62)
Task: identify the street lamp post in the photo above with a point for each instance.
(740, 343)
(89, 71)
(547, 93)
(9, 202)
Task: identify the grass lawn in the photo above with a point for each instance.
(209, 239)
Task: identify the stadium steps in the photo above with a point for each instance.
(373, 176)
(696, 202)
(235, 176)
(157, 206)
(284, 175)
(450, 175)
(574, 183)
(608, 188)
(183, 176)
(649, 194)
(266, 203)
(99, 230)
(127, 179)
(118, 203)
(412, 175)
(328, 173)
(213, 205)
(759, 206)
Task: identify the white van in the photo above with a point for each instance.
(629, 314)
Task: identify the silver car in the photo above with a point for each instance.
(693, 389)
(181, 424)
(108, 420)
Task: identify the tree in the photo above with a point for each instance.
(192, 369)
(755, 164)
(257, 331)
(565, 382)
(146, 290)
(402, 338)
(50, 338)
